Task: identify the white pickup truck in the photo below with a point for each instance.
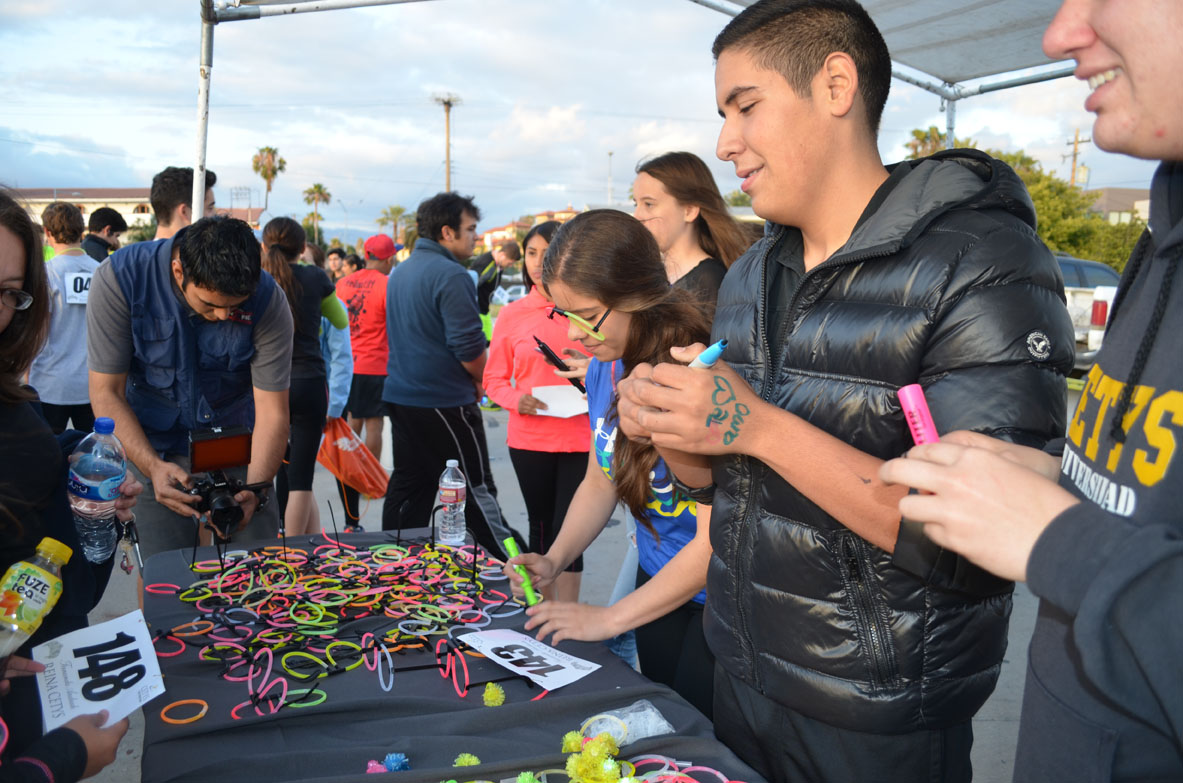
(1089, 288)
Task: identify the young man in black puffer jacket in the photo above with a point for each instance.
(849, 646)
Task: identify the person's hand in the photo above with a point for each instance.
(1033, 459)
(566, 620)
(127, 499)
(529, 405)
(696, 410)
(250, 504)
(165, 478)
(629, 404)
(980, 503)
(478, 389)
(17, 666)
(101, 743)
(541, 569)
(577, 362)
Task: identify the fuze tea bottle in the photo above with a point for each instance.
(29, 591)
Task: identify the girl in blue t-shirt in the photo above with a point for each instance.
(604, 273)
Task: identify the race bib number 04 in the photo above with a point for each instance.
(527, 656)
(110, 667)
(77, 287)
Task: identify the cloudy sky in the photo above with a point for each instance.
(559, 100)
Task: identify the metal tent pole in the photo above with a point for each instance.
(204, 69)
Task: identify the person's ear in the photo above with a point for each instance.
(690, 213)
(839, 83)
(178, 273)
(183, 215)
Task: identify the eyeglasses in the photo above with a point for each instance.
(584, 324)
(16, 298)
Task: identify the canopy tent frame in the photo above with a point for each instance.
(214, 12)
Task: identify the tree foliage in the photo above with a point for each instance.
(316, 195)
(391, 216)
(931, 141)
(1065, 222)
(268, 165)
(737, 198)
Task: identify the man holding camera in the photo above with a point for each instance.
(187, 334)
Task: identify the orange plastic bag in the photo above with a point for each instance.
(347, 458)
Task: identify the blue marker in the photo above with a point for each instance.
(707, 358)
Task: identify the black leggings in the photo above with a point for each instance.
(548, 480)
(58, 415)
(673, 651)
(308, 405)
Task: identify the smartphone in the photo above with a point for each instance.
(554, 359)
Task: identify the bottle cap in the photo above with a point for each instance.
(104, 425)
(55, 550)
(452, 463)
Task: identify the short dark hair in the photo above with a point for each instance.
(443, 209)
(173, 187)
(63, 221)
(511, 249)
(105, 217)
(794, 37)
(221, 254)
(22, 339)
(337, 251)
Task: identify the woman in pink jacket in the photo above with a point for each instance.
(549, 454)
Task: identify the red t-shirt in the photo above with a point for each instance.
(364, 295)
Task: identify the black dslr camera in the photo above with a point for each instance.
(212, 452)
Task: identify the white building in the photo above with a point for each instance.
(131, 203)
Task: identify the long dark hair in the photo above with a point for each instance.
(688, 180)
(545, 230)
(612, 257)
(284, 239)
(22, 339)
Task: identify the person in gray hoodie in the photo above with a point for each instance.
(849, 647)
(1093, 523)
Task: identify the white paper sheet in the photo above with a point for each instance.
(562, 402)
(524, 655)
(111, 666)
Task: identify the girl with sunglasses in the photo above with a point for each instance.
(605, 275)
(549, 454)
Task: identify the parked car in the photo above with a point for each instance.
(514, 292)
(1089, 288)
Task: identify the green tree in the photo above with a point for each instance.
(391, 216)
(316, 195)
(268, 165)
(308, 223)
(1066, 224)
(141, 232)
(737, 198)
(931, 141)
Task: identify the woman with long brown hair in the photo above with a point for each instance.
(678, 201)
(310, 295)
(33, 504)
(604, 273)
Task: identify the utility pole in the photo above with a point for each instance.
(1075, 144)
(447, 100)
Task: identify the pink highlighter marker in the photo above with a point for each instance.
(916, 412)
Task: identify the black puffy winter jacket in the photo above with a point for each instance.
(947, 285)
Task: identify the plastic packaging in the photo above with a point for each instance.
(29, 591)
(97, 467)
(452, 495)
(628, 724)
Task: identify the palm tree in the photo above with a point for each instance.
(317, 195)
(391, 216)
(268, 165)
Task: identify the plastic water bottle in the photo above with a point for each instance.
(29, 591)
(97, 468)
(452, 496)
